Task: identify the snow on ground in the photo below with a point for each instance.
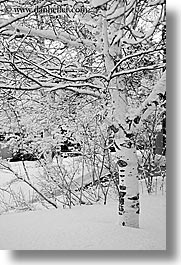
(35, 171)
(82, 228)
(71, 165)
(85, 228)
(6, 176)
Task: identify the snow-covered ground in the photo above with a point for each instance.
(86, 228)
(36, 175)
(82, 227)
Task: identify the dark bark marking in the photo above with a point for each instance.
(122, 163)
(122, 187)
(114, 129)
(121, 209)
(137, 119)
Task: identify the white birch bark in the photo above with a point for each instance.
(127, 165)
(125, 155)
(128, 187)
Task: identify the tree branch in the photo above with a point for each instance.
(148, 106)
(64, 78)
(144, 68)
(130, 57)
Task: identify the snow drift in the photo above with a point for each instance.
(86, 228)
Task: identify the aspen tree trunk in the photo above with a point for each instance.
(127, 163)
(125, 155)
(128, 188)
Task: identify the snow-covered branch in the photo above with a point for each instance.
(26, 75)
(77, 89)
(108, 59)
(144, 68)
(148, 106)
(159, 88)
(62, 36)
(140, 53)
(120, 11)
(64, 78)
(157, 2)
(49, 87)
(97, 3)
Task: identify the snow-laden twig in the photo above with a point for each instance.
(97, 3)
(148, 106)
(120, 11)
(140, 53)
(76, 88)
(144, 68)
(63, 78)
